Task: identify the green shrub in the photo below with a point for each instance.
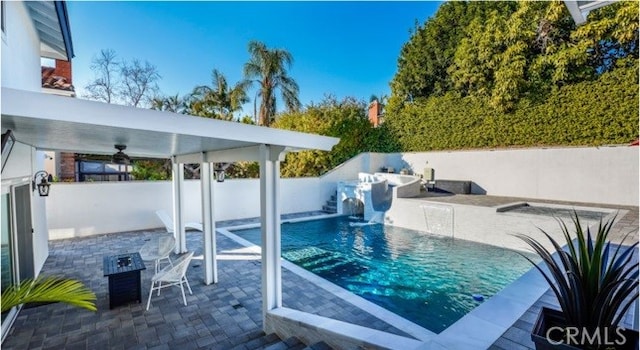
(590, 113)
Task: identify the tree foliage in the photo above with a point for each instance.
(346, 119)
(132, 83)
(505, 51)
(219, 100)
(589, 113)
(268, 69)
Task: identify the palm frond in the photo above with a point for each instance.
(48, 289)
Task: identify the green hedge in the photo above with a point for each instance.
(589, 113)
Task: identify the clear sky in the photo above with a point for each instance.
(339, 48)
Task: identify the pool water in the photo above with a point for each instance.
(427, 279)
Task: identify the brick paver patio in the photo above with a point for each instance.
(219, 316)
(226, 315)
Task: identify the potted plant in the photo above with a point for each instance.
(595, 283)
(48, 290)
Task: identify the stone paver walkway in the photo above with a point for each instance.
(219, 316)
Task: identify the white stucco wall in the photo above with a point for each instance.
(21, 70)
(82, 209)
(39, 219)
(607, 175)
(20, 50)
(21, 164)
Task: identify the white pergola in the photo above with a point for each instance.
(56, 123)
(579, 10)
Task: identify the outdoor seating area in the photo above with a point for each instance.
(224, 315)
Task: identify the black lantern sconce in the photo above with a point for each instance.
(44, 184)
(218, 171)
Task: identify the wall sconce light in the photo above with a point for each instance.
(218, 171)
(44, 184)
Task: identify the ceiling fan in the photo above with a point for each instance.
(120, 157)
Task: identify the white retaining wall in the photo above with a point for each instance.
(607, 175)
(83, 209)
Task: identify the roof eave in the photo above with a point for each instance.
(65, 28)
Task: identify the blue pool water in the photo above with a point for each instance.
(427, 279)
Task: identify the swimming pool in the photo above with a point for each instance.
(427, 279)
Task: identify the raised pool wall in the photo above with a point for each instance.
(481, 224)
(607, 175)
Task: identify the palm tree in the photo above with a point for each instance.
(218, 101)
(268, 68)
(173, 104)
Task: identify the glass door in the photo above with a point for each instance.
(16, 242)
(7, 255)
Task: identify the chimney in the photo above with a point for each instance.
(63, 69)
(374, 112)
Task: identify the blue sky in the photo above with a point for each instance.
(339, 48)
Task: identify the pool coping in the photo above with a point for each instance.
(479, 328)
(401, 323)
(484, 325)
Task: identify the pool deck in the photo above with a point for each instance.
(627, 223)
(225, 315)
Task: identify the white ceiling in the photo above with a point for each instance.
(59, 123)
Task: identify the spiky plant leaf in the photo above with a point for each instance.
(594, 287)
(48, 289)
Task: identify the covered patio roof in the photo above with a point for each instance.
(57, 123)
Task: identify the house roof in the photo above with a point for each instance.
(51, 122)
(580, 9)
(52, 24)
(51, 80)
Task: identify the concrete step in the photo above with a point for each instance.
(332, 202)
(291, 343)
(329, 209)
(319, 346)
(261, 342)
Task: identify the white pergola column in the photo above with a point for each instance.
(178, 204)
(208, 224)
(270, 225)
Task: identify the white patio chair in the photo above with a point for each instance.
(172, 276)
(168, 222)
(158, 249)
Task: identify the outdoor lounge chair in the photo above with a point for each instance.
(158, 249)
(172, 276)
(168, 222)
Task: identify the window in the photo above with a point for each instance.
(89, 170)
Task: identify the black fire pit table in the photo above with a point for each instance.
(124, 278)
